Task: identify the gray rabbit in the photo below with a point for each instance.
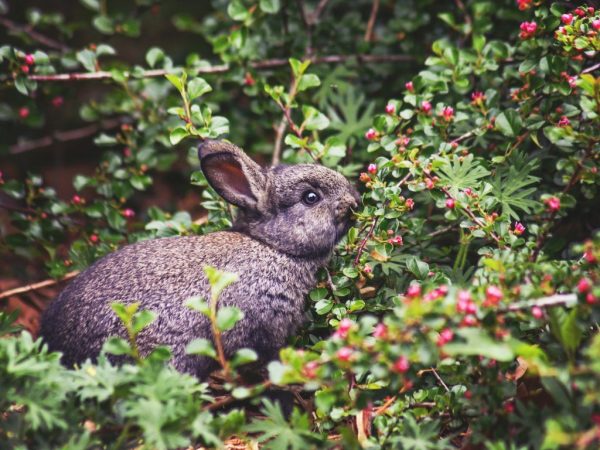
(289, 220)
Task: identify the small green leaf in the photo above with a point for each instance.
(116, 346)
(177, 135)
(175, 81)
(243, 356)
(228, 316)
(308, 81)
(154, 55)
(269, 6)
(509, 123)
(201, 347)
(197, 87)
(219, 280)
(141, 320)
(198, 304)
(314, 119)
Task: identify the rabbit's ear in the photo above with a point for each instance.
(231, 173)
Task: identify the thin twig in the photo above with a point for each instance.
(258, 65)
(591, 68)
(437, 376)
(28, 30)
(280, 132)
(314, 17)
(468, 19)
(371, 23)
(64, 136)
(36, 286)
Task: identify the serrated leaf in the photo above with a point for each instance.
(463, 174)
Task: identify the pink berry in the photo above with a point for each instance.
(469, 321)
(580, 12)
(519, 229)
(390, 109)
(94, 238)
(24, 112)
(450, 204)
(128, 213)
(446, 335)
(590, 257)
(537, 312)
(566, 19)
(343, 328)
(372, 168)
(310, 369)
(344, 353)
(426, 107)
(367, 269)
(410, 203)
(477, 97)
(564, 122)
(584, 285)
(590, 299)
(493, 295)
(409, 86)
(380, 331)
(528, 29)
(401, 365)
(371, 134)
(414, 290)
(448, 113)
(596, 24)
(77, 199)
(553, 204)
(25, 68)
(58, 101)
(29, 59)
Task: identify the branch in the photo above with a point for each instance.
(280, 132)
(591, 68)
(314, 17)
(543, 302)
(64, 136)
(28, 30)
(258, 65)
(371, 23)
(36, 286)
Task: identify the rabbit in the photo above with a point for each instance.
(290, 217)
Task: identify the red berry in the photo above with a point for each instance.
(344, 353)
(390, 109)
(579, 12)
(410, 203)
(590, 257)
(519, 229)
(537, 312)
(446, 335)
(450, 204)
(401, 365)
(371, 134)
(426, 107)
(310, 369)
(409, 86)
(380, 331)
(372, 168)
(24, 112)
(590, 298)
(553, 204)
(596, 24)
(566, 19)
(584, 285)
(343, 328)
(564, 122)
(468, 395)
(414, 290)
(493, 295)
(94, 238)
(249, 79)
(448, 113)
(29, 59)
(58, 101)
(128, 213)
(25, 68)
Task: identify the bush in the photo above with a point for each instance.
(461, 310)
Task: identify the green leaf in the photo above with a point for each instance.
(314, 119)
(141, 320)
(308, 81)
(228, 316)
(198, 304)
(87, 58)
(202, 347)
(460, 174)
(177, 135)
(219, 280)
(509, 123)
(197, 87)
(269, 6)
(237, 11)
(418, 268)
(175, 81)
(244, 356)
(479, 343)
(154, 55)
(116, 346)
(94, 5)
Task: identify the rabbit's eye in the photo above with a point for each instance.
(310, 198)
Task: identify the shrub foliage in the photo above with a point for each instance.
(462, 309)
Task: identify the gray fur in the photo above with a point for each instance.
(276, 246)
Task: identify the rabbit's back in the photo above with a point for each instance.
(162, 274)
